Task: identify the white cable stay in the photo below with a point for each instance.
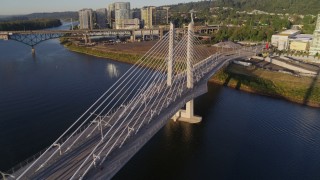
(135, 99)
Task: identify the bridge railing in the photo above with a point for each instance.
(21, 165)
(24, 163)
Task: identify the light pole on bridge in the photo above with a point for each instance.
(99, 124)
(59, 147)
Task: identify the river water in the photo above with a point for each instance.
(242, 136)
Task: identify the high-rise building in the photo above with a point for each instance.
(162, 16)
(154, 16)
(315, 45)
(122, 12)
(111, 15)
(101, 18)
(86, 19)
(318, 23)
(147, 16)
(135, 13)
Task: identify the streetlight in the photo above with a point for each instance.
(59, 146)
(5, 174)
(99, 123)
(95, 157)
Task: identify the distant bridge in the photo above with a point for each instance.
(33, 38)
(103, 139)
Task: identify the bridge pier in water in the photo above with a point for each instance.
(33, 50)
(188, 114)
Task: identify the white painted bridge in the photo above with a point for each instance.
(104, 138)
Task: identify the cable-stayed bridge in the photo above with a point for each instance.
(104, 138)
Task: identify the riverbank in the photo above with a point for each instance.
(130, 52)
(130, 58)
(302, 90)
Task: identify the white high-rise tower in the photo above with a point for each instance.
(315, 45)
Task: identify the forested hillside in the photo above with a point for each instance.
(239, 23)
(271, 6)
(29, 24)
(54, 15)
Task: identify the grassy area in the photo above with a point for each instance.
(127, 58)
(304, 90)
(122, 54)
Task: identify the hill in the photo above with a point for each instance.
(34, 24)
(271, 6)
(54, 15)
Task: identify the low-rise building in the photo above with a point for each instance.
(300, 42)
(281, 40)
(129, 24)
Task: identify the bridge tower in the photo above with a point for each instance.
(170, 55)
(188, 114)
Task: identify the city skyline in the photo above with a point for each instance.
(21, 7)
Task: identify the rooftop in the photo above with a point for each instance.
(303, 37)
(289, 32)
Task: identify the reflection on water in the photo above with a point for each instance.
(112, 70)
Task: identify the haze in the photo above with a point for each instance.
(17, 7)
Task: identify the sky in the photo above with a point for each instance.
(19, 7)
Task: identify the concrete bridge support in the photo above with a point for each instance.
(33, 50)
(188, 114)
(133, 36)
(87, 39)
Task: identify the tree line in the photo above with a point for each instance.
(240, 26)
(23, 25)
(271, 6)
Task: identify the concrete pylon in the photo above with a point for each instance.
(188, 114)
(170, 55)
(190, 57)
(161, 33)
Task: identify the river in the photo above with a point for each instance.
(242, 136)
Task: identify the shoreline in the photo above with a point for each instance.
(300, 90)
(216, 79)
(124, 58)
(250, 91)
